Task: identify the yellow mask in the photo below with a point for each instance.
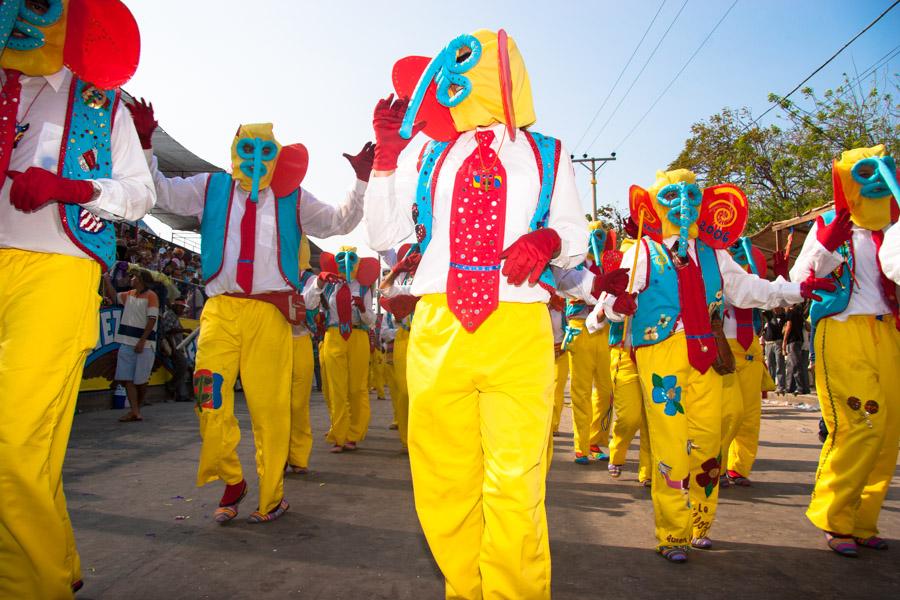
(484, 105)
(865, 181)
(30, 42)
(253, 155)
(670, 193)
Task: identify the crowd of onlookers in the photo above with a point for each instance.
(786, 344)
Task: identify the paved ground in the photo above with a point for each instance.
(144, 530)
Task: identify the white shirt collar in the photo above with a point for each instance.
(56, 80)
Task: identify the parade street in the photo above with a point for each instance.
(144, 530)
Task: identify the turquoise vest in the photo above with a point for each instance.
(86, 153)
(659, 306)
(834, 302)
(616, 333)
(213, 226)
(546, 151)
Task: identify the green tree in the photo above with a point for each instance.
(785, 169)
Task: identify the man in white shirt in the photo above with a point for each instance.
(890, 254)
(70, 164)
(680, 280)
(491, 205)
(857, 350)
(250, 226)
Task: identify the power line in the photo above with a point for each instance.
(638, 76)
(678, 74)
(621, 73)
(823, 65)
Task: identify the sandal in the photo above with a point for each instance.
(675, 554)
(296, 470)
(337, 448)
(724, 482)
(614, 470)
(872, 543)
(350, 446)
(226, 513)
(843, 545)
(581, 459)
(737, 479)
(258, 517)
(702, 543)
(130, 418)
(599, 454)
(77, 585)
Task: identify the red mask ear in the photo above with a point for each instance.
(641, 207)
(405, 76)
(103, 44)
(368, 271)
(506, 83)
(723, 215)
(327, 263)
(290, 169)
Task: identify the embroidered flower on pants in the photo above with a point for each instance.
(665, 391)
(709, 478)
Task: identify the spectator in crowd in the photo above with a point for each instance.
(797, 381)
(171, 334)
(136, 337)
(773, 336)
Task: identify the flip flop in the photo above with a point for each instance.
(702, 543)
(674, 554)
(130, 418)
(872, 543)
(843, 545)
(258, 517)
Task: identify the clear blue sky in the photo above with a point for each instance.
(316, 69)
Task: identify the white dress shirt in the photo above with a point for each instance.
(389, 202)
(867, 298)
(358, 318)
(556, 320)
(890, 254)
(312, 295)
(127, 195)
(739, 287)
(187, 196)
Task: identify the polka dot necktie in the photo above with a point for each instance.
(9, 109)
(477, 220)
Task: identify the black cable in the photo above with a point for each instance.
(621, 73)
(678, 74)
(823, 65)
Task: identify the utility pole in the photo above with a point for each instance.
(596, 164)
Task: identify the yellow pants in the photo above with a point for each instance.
(376, 373)
(48, 325)
(858, 384)
(401, 410)
(252, 338)
(346, 368)
(589, 370)
(628, 402)
(301, 389)
(742, 408)
(559, 389)
(684, 415)
(479, 420)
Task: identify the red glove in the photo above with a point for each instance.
(387, 120)
(813, 284)
(630, 227)
(780, 264)
(835, 233)
(144, 123)
(408, 264)
(362, 162)
(325, 278)
(37, 187)
(360, 303)
(615, 282)
(528, 255)
(626, 304)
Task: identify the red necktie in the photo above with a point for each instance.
(888, 287)
(344, 310)
(701, 345)
(744, 318)
(248, 248)
(9, 109)
(477, 220)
